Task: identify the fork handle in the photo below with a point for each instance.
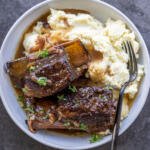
(114, 138)
(117, 118)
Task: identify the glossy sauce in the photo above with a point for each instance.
(20, 50)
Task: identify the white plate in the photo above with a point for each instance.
(101, 11)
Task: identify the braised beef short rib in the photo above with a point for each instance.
(90, 109)
(44, 76)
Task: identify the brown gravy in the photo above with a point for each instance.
(20, 49)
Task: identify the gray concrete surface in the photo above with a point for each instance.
(137, 137)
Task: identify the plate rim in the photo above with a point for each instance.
(26, 130)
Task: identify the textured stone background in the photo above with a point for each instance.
(137, 137)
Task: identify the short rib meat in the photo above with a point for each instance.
(90, 109)
(44, 76)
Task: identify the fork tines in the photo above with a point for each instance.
(132, 63)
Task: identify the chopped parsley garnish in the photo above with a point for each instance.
(42, 81)
(43, 53)
(46, 116)
(32, 68)
(109, 87)
(61, 97)
(83, 126)
(95, 138)
(29, 109)
(77, 103)
(21, 100)
(41, 111)
(101, 96)
(67, 124)
(17, 86)
(25, 90)
(72, 88)
(87, 75)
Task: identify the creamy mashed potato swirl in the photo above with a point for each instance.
(105, 39)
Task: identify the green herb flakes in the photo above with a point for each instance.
(72, 88)
(101, 96)
(109, 87)
(61, 97)
(67, 124)
(83, 126)
(87, 75)
(41, 111)
(29, 109)
(43, 53)
(46, 116)
(32, 68)
(95, 138)
(17, 86)
(21, 100)
(25, 90)
(42, 81)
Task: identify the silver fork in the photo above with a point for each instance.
(133, 70)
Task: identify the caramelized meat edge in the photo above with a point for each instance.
(89, 109)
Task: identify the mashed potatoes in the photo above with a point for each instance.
(105, 38)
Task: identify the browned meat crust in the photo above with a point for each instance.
(60, 67)
(58, 72)
(90, 109)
